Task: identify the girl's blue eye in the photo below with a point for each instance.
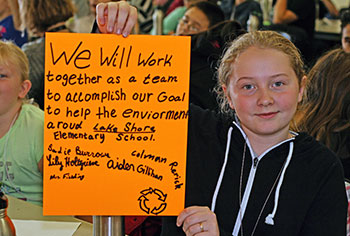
(278, 84)
(248, 86)
(3, 76)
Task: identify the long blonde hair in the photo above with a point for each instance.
(10, 53)
(261, 39)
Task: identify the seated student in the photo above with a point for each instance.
(171, 21)
(199, 17)
(41, 17)
(244, 9)
(8, 30)
(206, 49)
(325, 113)
(240, 10)
(296, 18)
(345, 30)
(327, 9)
(257, 176)
(298, 13)
(204, 22)
(173, 5)
(21, 129)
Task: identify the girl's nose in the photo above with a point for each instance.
(265, 97)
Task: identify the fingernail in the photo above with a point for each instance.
(118, 31)
(109, 28)
(125, 34)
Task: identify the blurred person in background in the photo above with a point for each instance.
(345, 30)
(21, 129)
(8, 30)
(296, 18)
(325, 111)
(199, 17)
(40, 17)
(171, 21)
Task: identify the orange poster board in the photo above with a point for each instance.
(116, 113)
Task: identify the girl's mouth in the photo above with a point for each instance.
(267, 115)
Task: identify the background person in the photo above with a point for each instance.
(8, 29)
(206, 49)
(40, 17)
(21, 129)
(345, 30)
(171, 21)
(325, 113)
(297, 19)
(199, 17)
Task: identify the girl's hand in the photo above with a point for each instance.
(198, 220)
(116, 17)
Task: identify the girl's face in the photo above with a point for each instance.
(12, 89)
(193, 22)
(264, 91)
(345, 41)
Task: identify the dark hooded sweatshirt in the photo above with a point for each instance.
(294, 188)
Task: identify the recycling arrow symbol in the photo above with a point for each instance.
(144, 201)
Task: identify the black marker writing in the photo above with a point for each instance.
(113, 59)
(82, 55)
(73, 176)
(77, 162)
(54, 161)
(150, 61)
(144, 155)
(177, 182)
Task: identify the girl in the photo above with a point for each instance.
(21, 129)
(247, 174)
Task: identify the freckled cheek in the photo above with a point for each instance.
(244, 104)
(8, 90)
(288, 103)
(3, 89)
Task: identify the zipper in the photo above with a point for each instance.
(256, 162)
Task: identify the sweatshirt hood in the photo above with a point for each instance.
(255, 162)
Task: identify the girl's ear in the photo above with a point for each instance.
(25, 87)
(302, 88)
(227, 95)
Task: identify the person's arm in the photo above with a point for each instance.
(330, 7)
(116, 17)
(197, 219)
(40, 166)
(281, 15)
(13, 4)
